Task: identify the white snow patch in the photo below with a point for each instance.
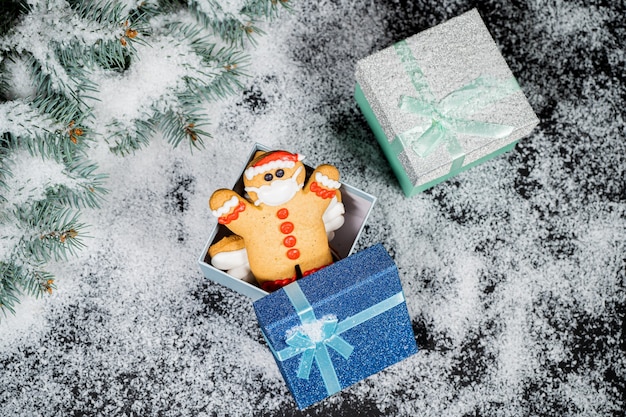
(312, 329)
(222, 10)
(22, 120)
(151, 82)
(33, 176)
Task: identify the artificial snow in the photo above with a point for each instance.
(33, 176)
(21, 117)
(223, 10)
(513, 271)
(21, 86)
(149, 84)
(313, 329)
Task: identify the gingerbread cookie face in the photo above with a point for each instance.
(274, 178)
(282, 221)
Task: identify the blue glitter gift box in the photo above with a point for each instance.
(337, 326)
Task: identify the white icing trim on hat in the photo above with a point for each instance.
(252, 172)
(327, 182)
(233, 202)
(270, 166)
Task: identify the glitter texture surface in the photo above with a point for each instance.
(343, 290)
(450, 55)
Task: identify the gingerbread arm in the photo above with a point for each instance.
(324, 182)
(229, 207)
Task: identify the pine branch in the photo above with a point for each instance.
(51, 232)
(235, 22)
(90, 186)
(127, 141)
(44, 126)
(125, 26)
(82, 57)
(65, 41)
(10, 279)
(220, 70)
(102, 12)
(206, 74)
(269, 9)
(15, 280)
(87, 190)
(35, 232)
(187, 126)
(4, 80)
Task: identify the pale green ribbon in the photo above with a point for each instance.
(449, 117)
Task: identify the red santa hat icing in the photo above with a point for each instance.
(272, 161)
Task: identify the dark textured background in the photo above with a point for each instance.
(514, 271)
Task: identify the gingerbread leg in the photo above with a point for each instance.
(230, 255)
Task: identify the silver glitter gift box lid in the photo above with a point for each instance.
(450, 55)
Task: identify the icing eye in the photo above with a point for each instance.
(268, 177)
(279, 173)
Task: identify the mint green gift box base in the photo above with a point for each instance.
(407, 186)
(442, 101)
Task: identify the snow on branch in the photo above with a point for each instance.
(78, 72)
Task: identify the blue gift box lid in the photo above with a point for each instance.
(337, 326)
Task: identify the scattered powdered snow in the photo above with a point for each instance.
(152, 80)
(33, 176)
(22, 119)
(51, 24)
(224, 9)
(21, 84)
(513, 271)
(10, 235)
(312, 329)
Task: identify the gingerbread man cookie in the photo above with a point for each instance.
(282, 222)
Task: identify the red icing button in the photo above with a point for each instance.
(289, 241)
(286, 227)
(293, 254)
(282, 213)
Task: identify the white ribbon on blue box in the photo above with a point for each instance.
(338, 326)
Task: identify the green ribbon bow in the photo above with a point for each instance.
(449, 117)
